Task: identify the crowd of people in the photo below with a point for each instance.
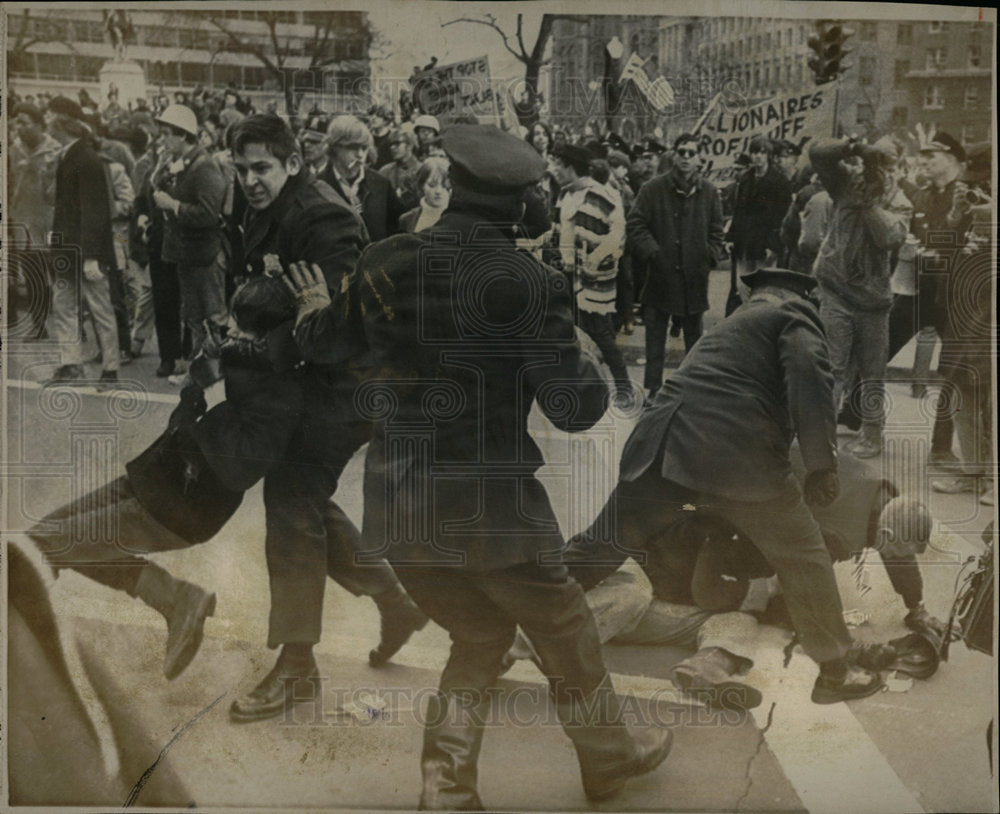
(351, 279)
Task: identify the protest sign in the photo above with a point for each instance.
(461, 88)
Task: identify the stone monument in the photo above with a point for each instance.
(120, 76)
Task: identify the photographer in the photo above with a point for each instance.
(868, 224)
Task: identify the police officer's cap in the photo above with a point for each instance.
(487, 159)
(782, 278)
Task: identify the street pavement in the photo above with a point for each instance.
(919, 746)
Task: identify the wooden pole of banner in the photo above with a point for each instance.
(836, 104)
(704, 116)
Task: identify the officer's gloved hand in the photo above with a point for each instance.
(920, 621)
(308, 285)
(822, 487)
(192, 407)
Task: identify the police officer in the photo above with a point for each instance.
(469, 333)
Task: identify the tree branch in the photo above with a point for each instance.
(520, 38)
(491, 23)
(241, 47)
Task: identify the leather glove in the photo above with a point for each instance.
(192, 407)
(308, 285)
(920, 621)
(822, 487)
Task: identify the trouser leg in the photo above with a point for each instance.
(692, 325)
(871, 347)
(64, 317)
(116, 282)
(141, 291)
(599, 328)
(203, 299)
(97, 295)
(838, 323)
(166, 308)
(656, 344)
(788, 536)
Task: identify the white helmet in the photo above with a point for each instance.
(430, 122)
(181, 117)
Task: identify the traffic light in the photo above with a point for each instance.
(828, 46)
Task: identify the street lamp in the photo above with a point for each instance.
(613, 52)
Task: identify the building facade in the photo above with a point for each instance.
(62, 50)
(899, 73)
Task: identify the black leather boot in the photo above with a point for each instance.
(294, 678)
(184, 605)
(608, 754)
(711, 675)
(401, 618)
(452, 738)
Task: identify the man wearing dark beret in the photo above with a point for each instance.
(469, 334)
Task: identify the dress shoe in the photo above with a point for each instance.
(108, 381)
(66, 374)
(165, 369)
(400, 618)
(855, 683)
(184, 605)
(186, 627)
(291, 680)
(710, 674)
(864, 447)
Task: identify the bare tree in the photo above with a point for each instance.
(533, 59)
(33, 29)
(275, 49)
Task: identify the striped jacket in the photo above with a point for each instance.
(591, 238)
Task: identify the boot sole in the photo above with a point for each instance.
(726, 695)
(378, 657)
(822, 695)
(239, 716)
(186, 655)
(641, 767)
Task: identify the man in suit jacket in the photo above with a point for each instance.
(468, 336)
(719, 433)
(82, 247)
(294, 217)
(190, 194)
(369, 192)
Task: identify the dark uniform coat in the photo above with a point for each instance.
(466, 337)
(678, 230)
(193, 237)
(727, 417)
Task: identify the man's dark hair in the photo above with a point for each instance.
(31, 111)
(268, 129)
(599, 170)
(262, 304)
(685, 137)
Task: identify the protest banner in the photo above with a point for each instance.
(458, 89)
(725, 132)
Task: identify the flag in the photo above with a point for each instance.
(659, 93)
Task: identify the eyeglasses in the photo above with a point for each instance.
(687, 153)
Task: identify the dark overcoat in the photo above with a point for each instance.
(759, 208)
(194, 236)
(467, 334)
(679, 231)
(726, 419)
(82, 216)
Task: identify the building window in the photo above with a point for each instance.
(899, 115)
(937, 27)
(975, 56)
(866, 72)
(933, 98)
(972, 96)
(868, 31)
(864, 115)
(936, 58)
(904, 34)
(900, 70)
